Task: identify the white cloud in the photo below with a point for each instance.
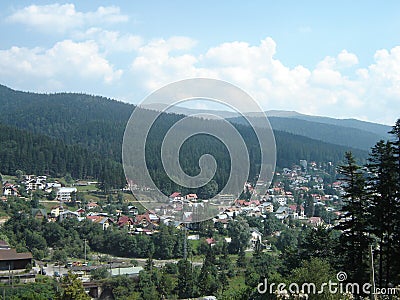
(110, 41)
(66, 62)
(162, 61)
(332, 88)
(346, 59)
(63, 17)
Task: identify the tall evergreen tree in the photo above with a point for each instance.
(396, 152)
(383, 208)
(354, 241)
(186, 279)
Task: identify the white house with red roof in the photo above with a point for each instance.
(10, 190)
(191, 197)
(297, 211)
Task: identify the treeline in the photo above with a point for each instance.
(371, 220)
(38, 154)
(94, 122)
(86, 133)
(67, 238)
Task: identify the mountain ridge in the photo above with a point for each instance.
(97, 124)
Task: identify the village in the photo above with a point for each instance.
(298, 194)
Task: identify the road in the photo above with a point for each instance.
(51, 268)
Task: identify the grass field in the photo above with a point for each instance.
(86, 188)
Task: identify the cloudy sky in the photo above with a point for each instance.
(338, 58)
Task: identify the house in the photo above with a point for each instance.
(267, 207)
(191, 197)
(39, 213)
(282, 212)
(92, 205)
(297, 211)
(10, 190)
(65, 194)
(210, 241)
(175, 196)
(56, 210)
(133, 210)
(256, 237)
(315, 221)
(34, 183)
(81, 211)
(11, 260)
(280, 199)
(69, 215)
(4, 245)
(126, 271)
(125, 221)
(52, 185)
(104, 221)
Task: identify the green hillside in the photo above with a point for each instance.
(84, 137)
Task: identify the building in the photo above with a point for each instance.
(56, 211)
(267, 207)
(256, 237)
(39, 213)
(9, 190)
(303, 164)
(34, 183)
(105, 222)
(11, 260)
(65, 194)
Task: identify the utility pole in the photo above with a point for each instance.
(85, 240)
(184, 243)
(371, 254)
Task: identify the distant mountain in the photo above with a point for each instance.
(379, 129)
(97, 124)
(345, 132)
(334, 134)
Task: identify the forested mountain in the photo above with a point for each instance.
(84, 137)
(334, 134)
(346, 132)
(38, 154)
(379, 129)
(94, 122)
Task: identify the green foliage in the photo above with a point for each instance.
(86, 134)
(319, 272)
(39, 154)
(186, 279)
(41, 290)
(239, 231)
(72, 288)
(99, 273)
(60, 255)
(354, 244)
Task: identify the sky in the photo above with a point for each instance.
(331, 58)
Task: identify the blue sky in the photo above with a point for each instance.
(336, 58)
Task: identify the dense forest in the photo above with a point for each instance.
(38, 154)
(82, 135)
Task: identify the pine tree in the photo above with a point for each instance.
(186, 279)
(354, 241)
(208, 277)
(384, 207)
(396, 152)
(309, 207)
